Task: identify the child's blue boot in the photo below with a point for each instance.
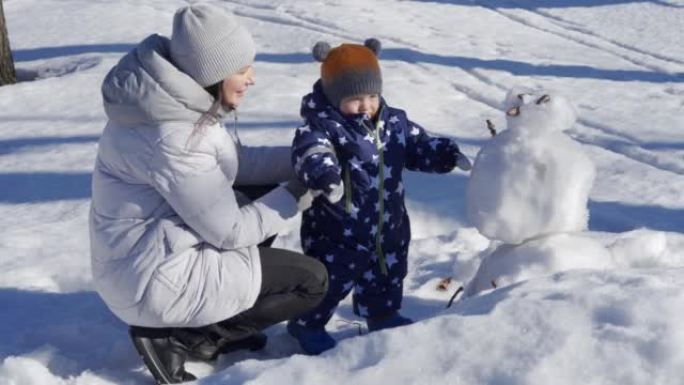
(388, 321)
(313, 341)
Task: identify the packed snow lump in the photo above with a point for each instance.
(528, 193)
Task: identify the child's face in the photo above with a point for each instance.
(361, 104)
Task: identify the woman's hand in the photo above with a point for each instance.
(300, 192)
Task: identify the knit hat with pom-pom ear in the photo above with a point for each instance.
(349, 69)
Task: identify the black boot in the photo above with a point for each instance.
(206, 343)
(253, 343)
(163, 354)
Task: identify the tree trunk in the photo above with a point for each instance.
(7, 74)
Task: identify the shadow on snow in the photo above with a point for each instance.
(620, 217)
(546, 3)
(401, 54)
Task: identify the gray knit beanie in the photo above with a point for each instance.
(209, 44)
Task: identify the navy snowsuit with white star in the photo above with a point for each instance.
(363, 239)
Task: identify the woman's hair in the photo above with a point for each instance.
(208, 118)
(214, 90)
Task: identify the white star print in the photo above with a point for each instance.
(374, 182)
(328, 162)
(368, 276)
(347, 232)
(415, 131)
(307, 242)
(363, 311)
(354, 212)
(347, 286)
(304, 128)
(388, 172)
(374, 229)
(386, 217)
(368, 137)
(434, 143)
(400, 188)
(311, 104)
(329, 257)
(355, 163)
(391, 259)
(322, 114)
(323, 141)
(375, 158)
(343, 140)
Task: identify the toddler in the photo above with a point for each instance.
(351, 151)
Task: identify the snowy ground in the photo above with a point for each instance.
(449, 64)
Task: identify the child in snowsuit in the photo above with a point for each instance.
(352, 150)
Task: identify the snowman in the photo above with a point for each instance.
(528, 193)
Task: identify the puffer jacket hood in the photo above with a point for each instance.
(145, 87)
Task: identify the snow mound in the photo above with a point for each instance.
(569, 328)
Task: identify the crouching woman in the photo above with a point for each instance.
(178, 251)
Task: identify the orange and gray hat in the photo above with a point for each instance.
(349, 69)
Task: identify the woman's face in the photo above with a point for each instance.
(361, 104)
(235, 86)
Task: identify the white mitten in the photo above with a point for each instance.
(336, 193)
(463, 162)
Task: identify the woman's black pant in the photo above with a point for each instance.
(291, 285)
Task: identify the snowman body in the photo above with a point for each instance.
(528, 192)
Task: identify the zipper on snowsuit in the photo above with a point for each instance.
(347, 191)
(381, 193)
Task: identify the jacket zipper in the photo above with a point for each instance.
(381, 194)
(347, 191)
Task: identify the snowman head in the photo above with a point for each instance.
(533, 113)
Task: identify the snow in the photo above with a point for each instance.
(608, 319)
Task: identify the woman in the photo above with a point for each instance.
(175, 248)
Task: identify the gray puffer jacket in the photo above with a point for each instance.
(170, 245)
